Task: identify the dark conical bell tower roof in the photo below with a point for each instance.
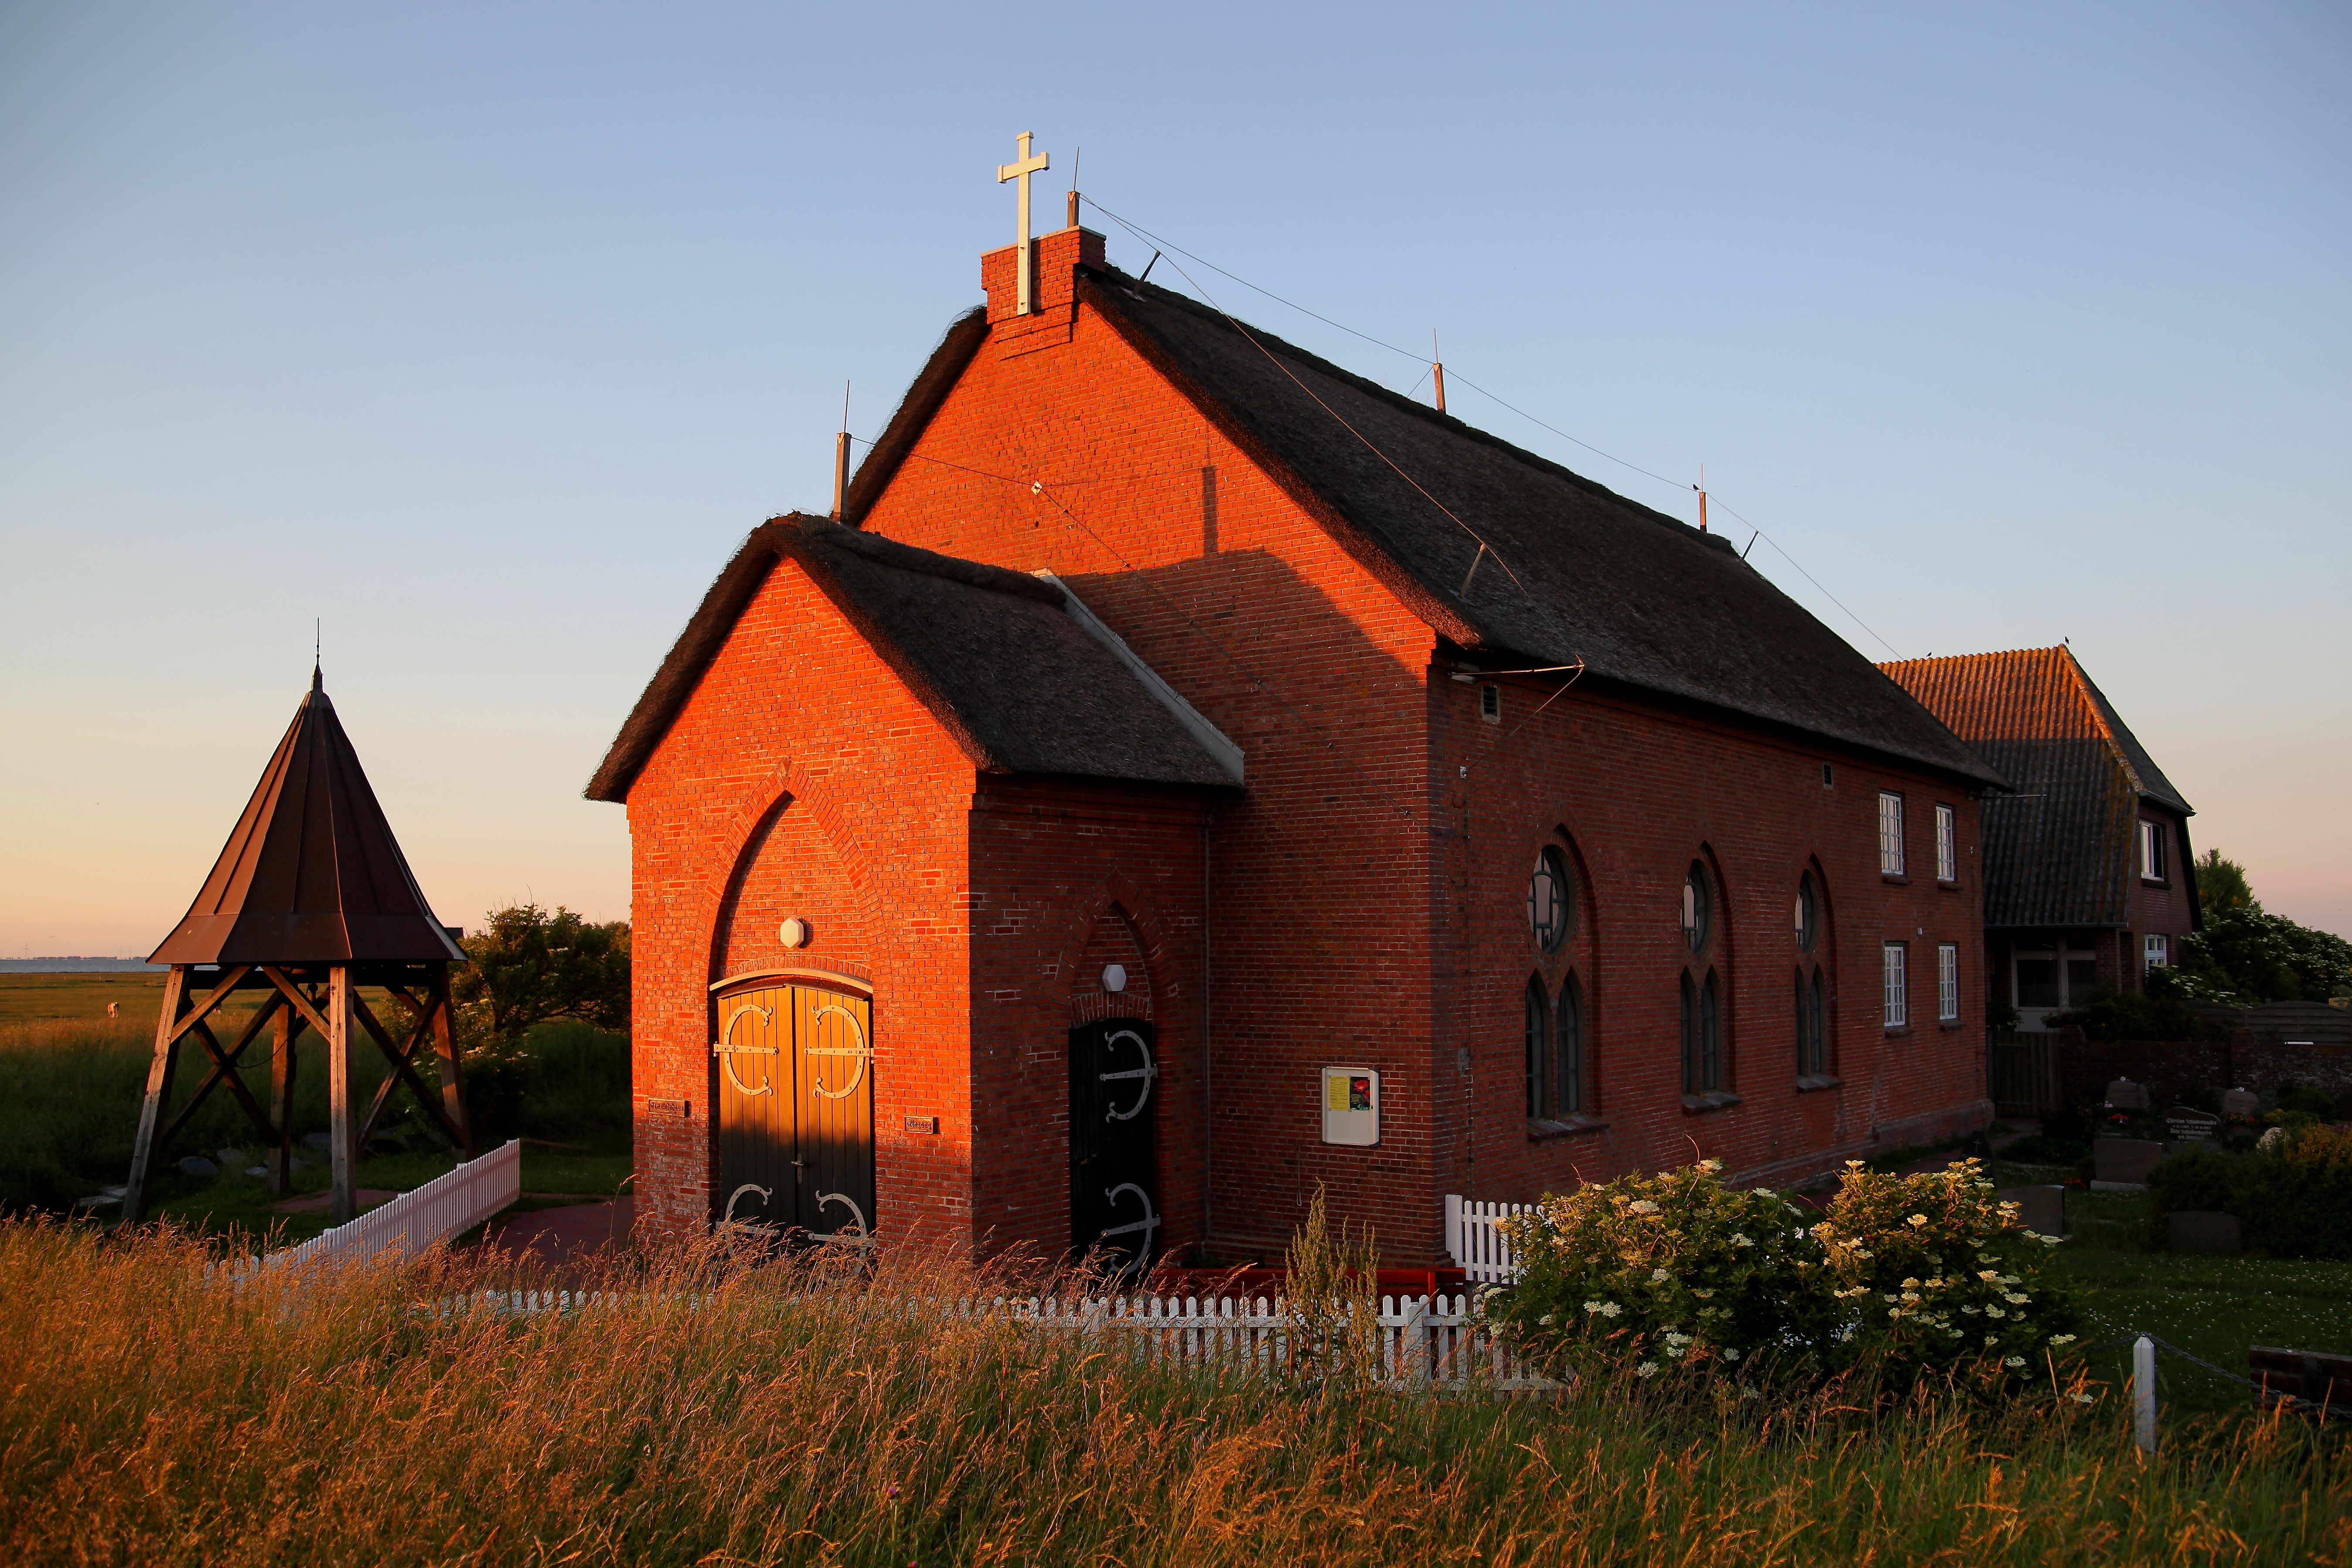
(313, 873)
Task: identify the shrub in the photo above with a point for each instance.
(2196, 1178)
(1905, 1276)
(1671, 1271)
(2315, 1102)
(2134, 1016)
(1943, 1276)
(2292, 1198)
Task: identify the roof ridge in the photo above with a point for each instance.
(1986, 653)
(884, 551)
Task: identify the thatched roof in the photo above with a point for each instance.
(2060, 850)
(312, 874)
(1023, 684)
(1577, 572)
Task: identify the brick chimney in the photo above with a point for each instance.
(1059, 254)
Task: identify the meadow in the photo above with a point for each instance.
(71, 1079)
(796, 1412)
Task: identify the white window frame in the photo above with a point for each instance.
(1894, 983)
(1890, 833)
(2152, 851)
(2156, 953)
(1947, 983)
(1947, 844)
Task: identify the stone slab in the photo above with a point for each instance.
(2199, 1230)
(2042, 1209)
(2126, 1094)
(2124, 1159)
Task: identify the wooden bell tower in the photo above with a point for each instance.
(310, 901)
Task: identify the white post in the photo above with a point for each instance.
(2144, 1393)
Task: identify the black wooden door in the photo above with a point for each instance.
(795, 1107)
(1114, 1145)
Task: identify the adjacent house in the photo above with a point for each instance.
(2088, 881)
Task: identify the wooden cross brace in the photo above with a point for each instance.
(291, 1008)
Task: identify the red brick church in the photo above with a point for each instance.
(1187, 773)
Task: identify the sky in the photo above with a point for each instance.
(472, 338)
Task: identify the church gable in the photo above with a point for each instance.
(998, 659)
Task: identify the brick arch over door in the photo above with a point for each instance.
(843, 907)
(1115, 898)
(1113, 940)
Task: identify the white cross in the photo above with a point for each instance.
(1020, 169)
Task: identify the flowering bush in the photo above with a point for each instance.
(1672, 1271)
(1932, 1270)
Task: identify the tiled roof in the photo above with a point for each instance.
(2059, 850)
(312, 874)
(1024, 683)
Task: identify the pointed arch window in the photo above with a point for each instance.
(1707, 1070)
(1811, 1034)
(1539, 1042)
(1568, 1045)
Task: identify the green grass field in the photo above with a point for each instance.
(80, 998)
(71, 1080)
(2212, 1306)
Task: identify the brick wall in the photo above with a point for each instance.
(2175, 1069)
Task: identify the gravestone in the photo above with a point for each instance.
(2040, 1209)
(2183, 1125)
(2126, 1094)
(2199, 1230)
(197, 1165)
(2121, 1164)
(230, 1159)
(2242, 1103)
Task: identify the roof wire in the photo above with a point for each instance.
(1274, 359)
(1809, 577)
(1170, 246)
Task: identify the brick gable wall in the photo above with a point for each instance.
(803, 779)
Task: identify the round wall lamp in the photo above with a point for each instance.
(793, 932)
(1114, 978)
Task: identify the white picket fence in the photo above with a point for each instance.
(1429, 1341)
(443, 1208)
(1481, 1251)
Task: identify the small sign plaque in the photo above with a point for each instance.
(924, 1124)
(668, 1109)
(2183, 1125)
(1351, 1105)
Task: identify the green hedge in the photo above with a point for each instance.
(2293, 1199)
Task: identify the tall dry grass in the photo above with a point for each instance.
(797, 1415)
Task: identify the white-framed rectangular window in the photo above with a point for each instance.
(2151, 850)
(1898, 1002)
(2157, 950)
(1947, 981)
(1890, 833)
(1948, 844)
